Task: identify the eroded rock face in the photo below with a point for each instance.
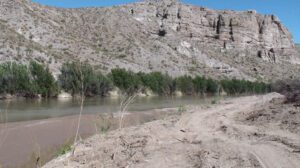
(153, 35)
(227, 29)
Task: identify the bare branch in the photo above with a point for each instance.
(82, 96)
(126, 100)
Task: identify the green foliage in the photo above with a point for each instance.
(159, 83)
(80, 78)
(185, 84)
(14, 78)
(64, 150)
(163, 84)
(235, 86)
(42, 80)
(182, 109)
(100, 84)
(200, 85)
(127, 81)
(212, 86)
(27, 81)
(75, 77)
(215, 100)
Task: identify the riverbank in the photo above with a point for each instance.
(25, 144)
(253, 131)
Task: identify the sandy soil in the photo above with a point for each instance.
(25, 144)
(254, 131)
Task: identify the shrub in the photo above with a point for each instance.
(182, 109)
(212, 86)
(100, 85)
(14, 78)
(127, 81)
(185, 85)
(27, 81)
(200, 85)
(80, 77)
(42, 80)
(235, 86)
(75, 77)
(65, 149)
(159, 83)
(289, 88)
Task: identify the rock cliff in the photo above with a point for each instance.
(152, 35)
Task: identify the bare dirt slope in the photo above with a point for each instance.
(245, 132)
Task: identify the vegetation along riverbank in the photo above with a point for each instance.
(35, 80)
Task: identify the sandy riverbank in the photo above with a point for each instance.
(22, 144)
(253, 131)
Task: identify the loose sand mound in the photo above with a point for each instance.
(242, 132)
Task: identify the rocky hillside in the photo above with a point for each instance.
(298, 48)
(152, 35)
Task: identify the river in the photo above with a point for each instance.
(30, 109)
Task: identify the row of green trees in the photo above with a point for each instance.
(27, 81)
(201, 85)
(78, 78)
(163, 84)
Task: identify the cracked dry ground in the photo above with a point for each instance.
(253, 131)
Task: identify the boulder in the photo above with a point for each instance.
(64, 95)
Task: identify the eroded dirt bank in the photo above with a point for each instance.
(254, 131)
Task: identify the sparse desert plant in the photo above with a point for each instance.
(182, 109)
(65, 149)
(126, 99)
(81, 85)
(216, 99)
(104, 123)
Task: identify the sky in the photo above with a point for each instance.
(287, 10)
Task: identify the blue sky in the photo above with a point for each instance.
(287, 10)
